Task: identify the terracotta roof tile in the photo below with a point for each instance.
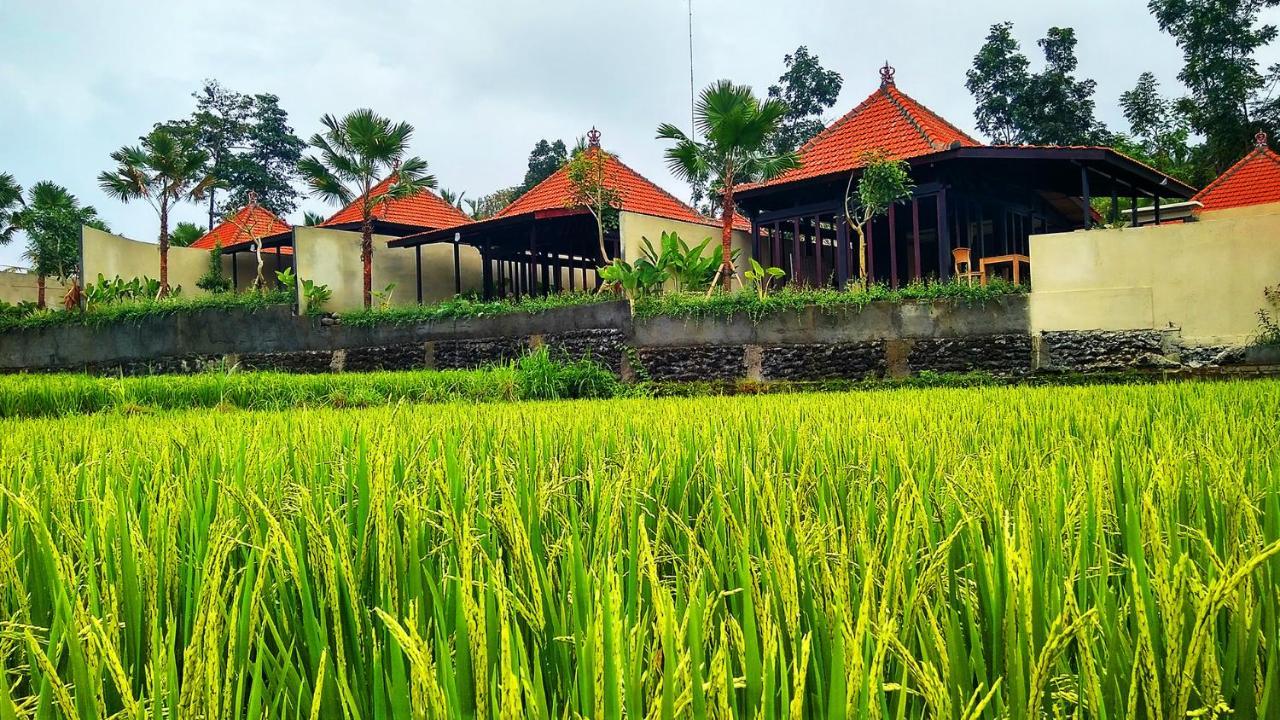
(425, 210)
(888, 121)
(246, 225)
(1254, 180)
(638, 195)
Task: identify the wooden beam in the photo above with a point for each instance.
(842, 251)
(915, 237)
(417, 267)
(1088, 201)
(944, 239)
(893, 245)
(820, 279)
(795, 249)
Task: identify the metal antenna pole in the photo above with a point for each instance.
(693, 124)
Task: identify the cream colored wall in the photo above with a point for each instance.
(1205, 278)
(1239, 212)
(633, 227)
(16, 287)
(112, 255)
(332, 257)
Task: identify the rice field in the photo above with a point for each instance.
(1099, 552)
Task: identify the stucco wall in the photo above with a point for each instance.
(634, 227)
(16, 287)
(1204, 278)
(112, 255)
(1239, 212)
(332, 257)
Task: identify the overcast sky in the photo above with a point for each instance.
(483, 81)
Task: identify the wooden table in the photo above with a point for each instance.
(1016, 260)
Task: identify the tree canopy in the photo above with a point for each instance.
(544, 160)
(808, 90)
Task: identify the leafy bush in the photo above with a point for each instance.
(464, 306)
(213, 280)
(1269, 320)
(117, 290)
(315, 296)
(542, 377)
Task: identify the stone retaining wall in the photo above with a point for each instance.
(880, 340)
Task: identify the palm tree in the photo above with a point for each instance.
(10, 201)
(452, 197)
(185, 233)
(165, 170)
(312, 219)
(51, 219)
(356, 153)
(737, 130)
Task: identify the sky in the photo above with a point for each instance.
(482, 81)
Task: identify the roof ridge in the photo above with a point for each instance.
(911, 119)
(933, 113)
(1231, 171)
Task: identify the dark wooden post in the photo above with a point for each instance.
(755, 241)
(1088, 201)
(457, 268)
(944, 238)
(235, 273)
(842, 251)
(821, 279)
(776, 237)
(1115, 202)
(417, 267)
(795, 249)
(893, 245)
(486, 271)
(1133, 205)
(1156, 198)
(915, 236)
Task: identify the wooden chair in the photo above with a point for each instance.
(962, 257)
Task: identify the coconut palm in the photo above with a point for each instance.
(10, 202)
(737, 130)
(312, 219)
(356, 153)
(51, 219)
(185, 233)
(163, 171)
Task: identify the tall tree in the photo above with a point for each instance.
(251, 148)
(1219, 40)
(544, 160)
(489, 205)
(355, 153)
(808, 90)
(590, 188)
(163, 171)
(51, 219)
(998, 81)
(10, 203)
(737, 131)
(1160, 130)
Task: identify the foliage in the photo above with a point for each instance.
(544, 160)
(543, 377)
(1162, 133)
(312, 219)
(286, 278)
(634, 280)
(792, 299)
(737, 131)
(354, 154)
(164, 170)
(315, 296)
(10, 202)
(1017, 106)
(1219, 43)
(452, 197)
(1269, 319)
(52, 219)
(214, 280)
(128, 303)
(687, 266)
(975, 553)
(465, 307)
(882, 181)
(250, 146)
(185, 233)
(808, 90)
(591, 187)
(383, 296)
(762, 277)
(489, 205)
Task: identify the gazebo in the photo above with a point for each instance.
(987, 199)
(1253, 180)
(542, 242)
(238, 232)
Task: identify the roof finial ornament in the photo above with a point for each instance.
(1261, 138)
(886, 74)
(593, 137)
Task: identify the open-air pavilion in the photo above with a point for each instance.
(971, 201)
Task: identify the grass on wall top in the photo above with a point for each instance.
(135, 310)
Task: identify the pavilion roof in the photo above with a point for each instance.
(1254, 180)
(250, 223)
(888, 121)
(424, 210)
(637, 194)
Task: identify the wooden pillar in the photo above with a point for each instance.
(235, 273)
(1156, 198)
(944, 238)
(842, 251)
(486, 272)
(776, 237)
(1088, 200)
(1115, 202)
(457, 268)
(796, 264)
(915, 237)
(820, 279)
(893, 245)
(1133, 206)
(417, 269)
(755, 241)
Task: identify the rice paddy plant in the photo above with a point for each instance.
(1101, 552)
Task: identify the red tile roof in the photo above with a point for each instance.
(1254, 180)
(638, 195)
(250, 223)
(888, 121)
(424, 210)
